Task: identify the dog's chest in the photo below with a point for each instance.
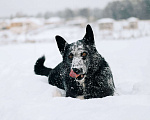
(75, 88)
(82, 85)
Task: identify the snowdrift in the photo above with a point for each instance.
(26, 96)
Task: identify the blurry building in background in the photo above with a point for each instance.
(54, 21)
(4, 24)
(106, 24)
(20, 25)
(77, 21)
(133, 23)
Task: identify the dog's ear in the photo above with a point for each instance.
(61, 43)
(89, 36)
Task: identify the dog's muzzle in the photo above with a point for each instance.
(76, 75)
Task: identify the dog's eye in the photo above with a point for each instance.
(84, 54)
(70, 56)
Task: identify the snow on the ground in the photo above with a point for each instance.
(26, 96)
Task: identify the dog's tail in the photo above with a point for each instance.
(39, 67)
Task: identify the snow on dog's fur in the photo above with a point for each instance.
(83, 73)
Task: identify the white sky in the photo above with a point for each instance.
(32, 7)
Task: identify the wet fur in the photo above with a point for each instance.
(98, 79)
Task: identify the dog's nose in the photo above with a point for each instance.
(77, 71)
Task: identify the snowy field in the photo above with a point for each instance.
(26, 96)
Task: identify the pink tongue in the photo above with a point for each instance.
(73, 74)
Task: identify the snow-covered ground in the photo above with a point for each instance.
(26, 96)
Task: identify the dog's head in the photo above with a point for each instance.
(78, 54)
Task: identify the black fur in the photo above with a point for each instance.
(98, 80)
(40, 69)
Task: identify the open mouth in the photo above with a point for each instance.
(76, 76)
(80, 77)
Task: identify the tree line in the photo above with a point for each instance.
(117, 10)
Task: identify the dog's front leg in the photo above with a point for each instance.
(97, 92)
(69, 94)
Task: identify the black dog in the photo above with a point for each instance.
(83, 73)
